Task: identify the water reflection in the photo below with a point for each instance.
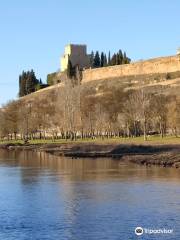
(47, 197)
(83, 169)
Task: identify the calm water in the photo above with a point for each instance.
(46, 197)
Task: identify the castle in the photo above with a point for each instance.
(77, 54)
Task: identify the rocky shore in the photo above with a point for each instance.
(161, 155)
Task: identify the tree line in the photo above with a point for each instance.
(101, 60)
(72, 112)
(28, 83)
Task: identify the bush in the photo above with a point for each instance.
(168, 76)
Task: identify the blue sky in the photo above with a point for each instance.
(33, 33)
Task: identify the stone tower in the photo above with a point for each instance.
(77, 54)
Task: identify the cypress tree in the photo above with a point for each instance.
(92, 59)
(97, 60)
(20, 86)
(117, 59)
(120, 57)
(23, 84)
(113, 60)
(69, 69)
(109, 59)
(102, 60)
(29, 83)
(105, 60)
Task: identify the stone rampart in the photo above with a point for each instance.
(151, 66)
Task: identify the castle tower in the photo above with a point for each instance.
(77, 54)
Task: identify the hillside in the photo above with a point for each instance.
(158, 83)
(167, 83)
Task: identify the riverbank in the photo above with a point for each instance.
(166, 155)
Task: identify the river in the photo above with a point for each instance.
(47, 197)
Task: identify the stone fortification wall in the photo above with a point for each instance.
(156, 65)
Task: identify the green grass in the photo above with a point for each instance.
(138, 140)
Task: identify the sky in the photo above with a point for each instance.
(33, 33)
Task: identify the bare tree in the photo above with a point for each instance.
(137, 110)
(159, 112)
(173, 115)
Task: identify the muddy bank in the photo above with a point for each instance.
(161, 155)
